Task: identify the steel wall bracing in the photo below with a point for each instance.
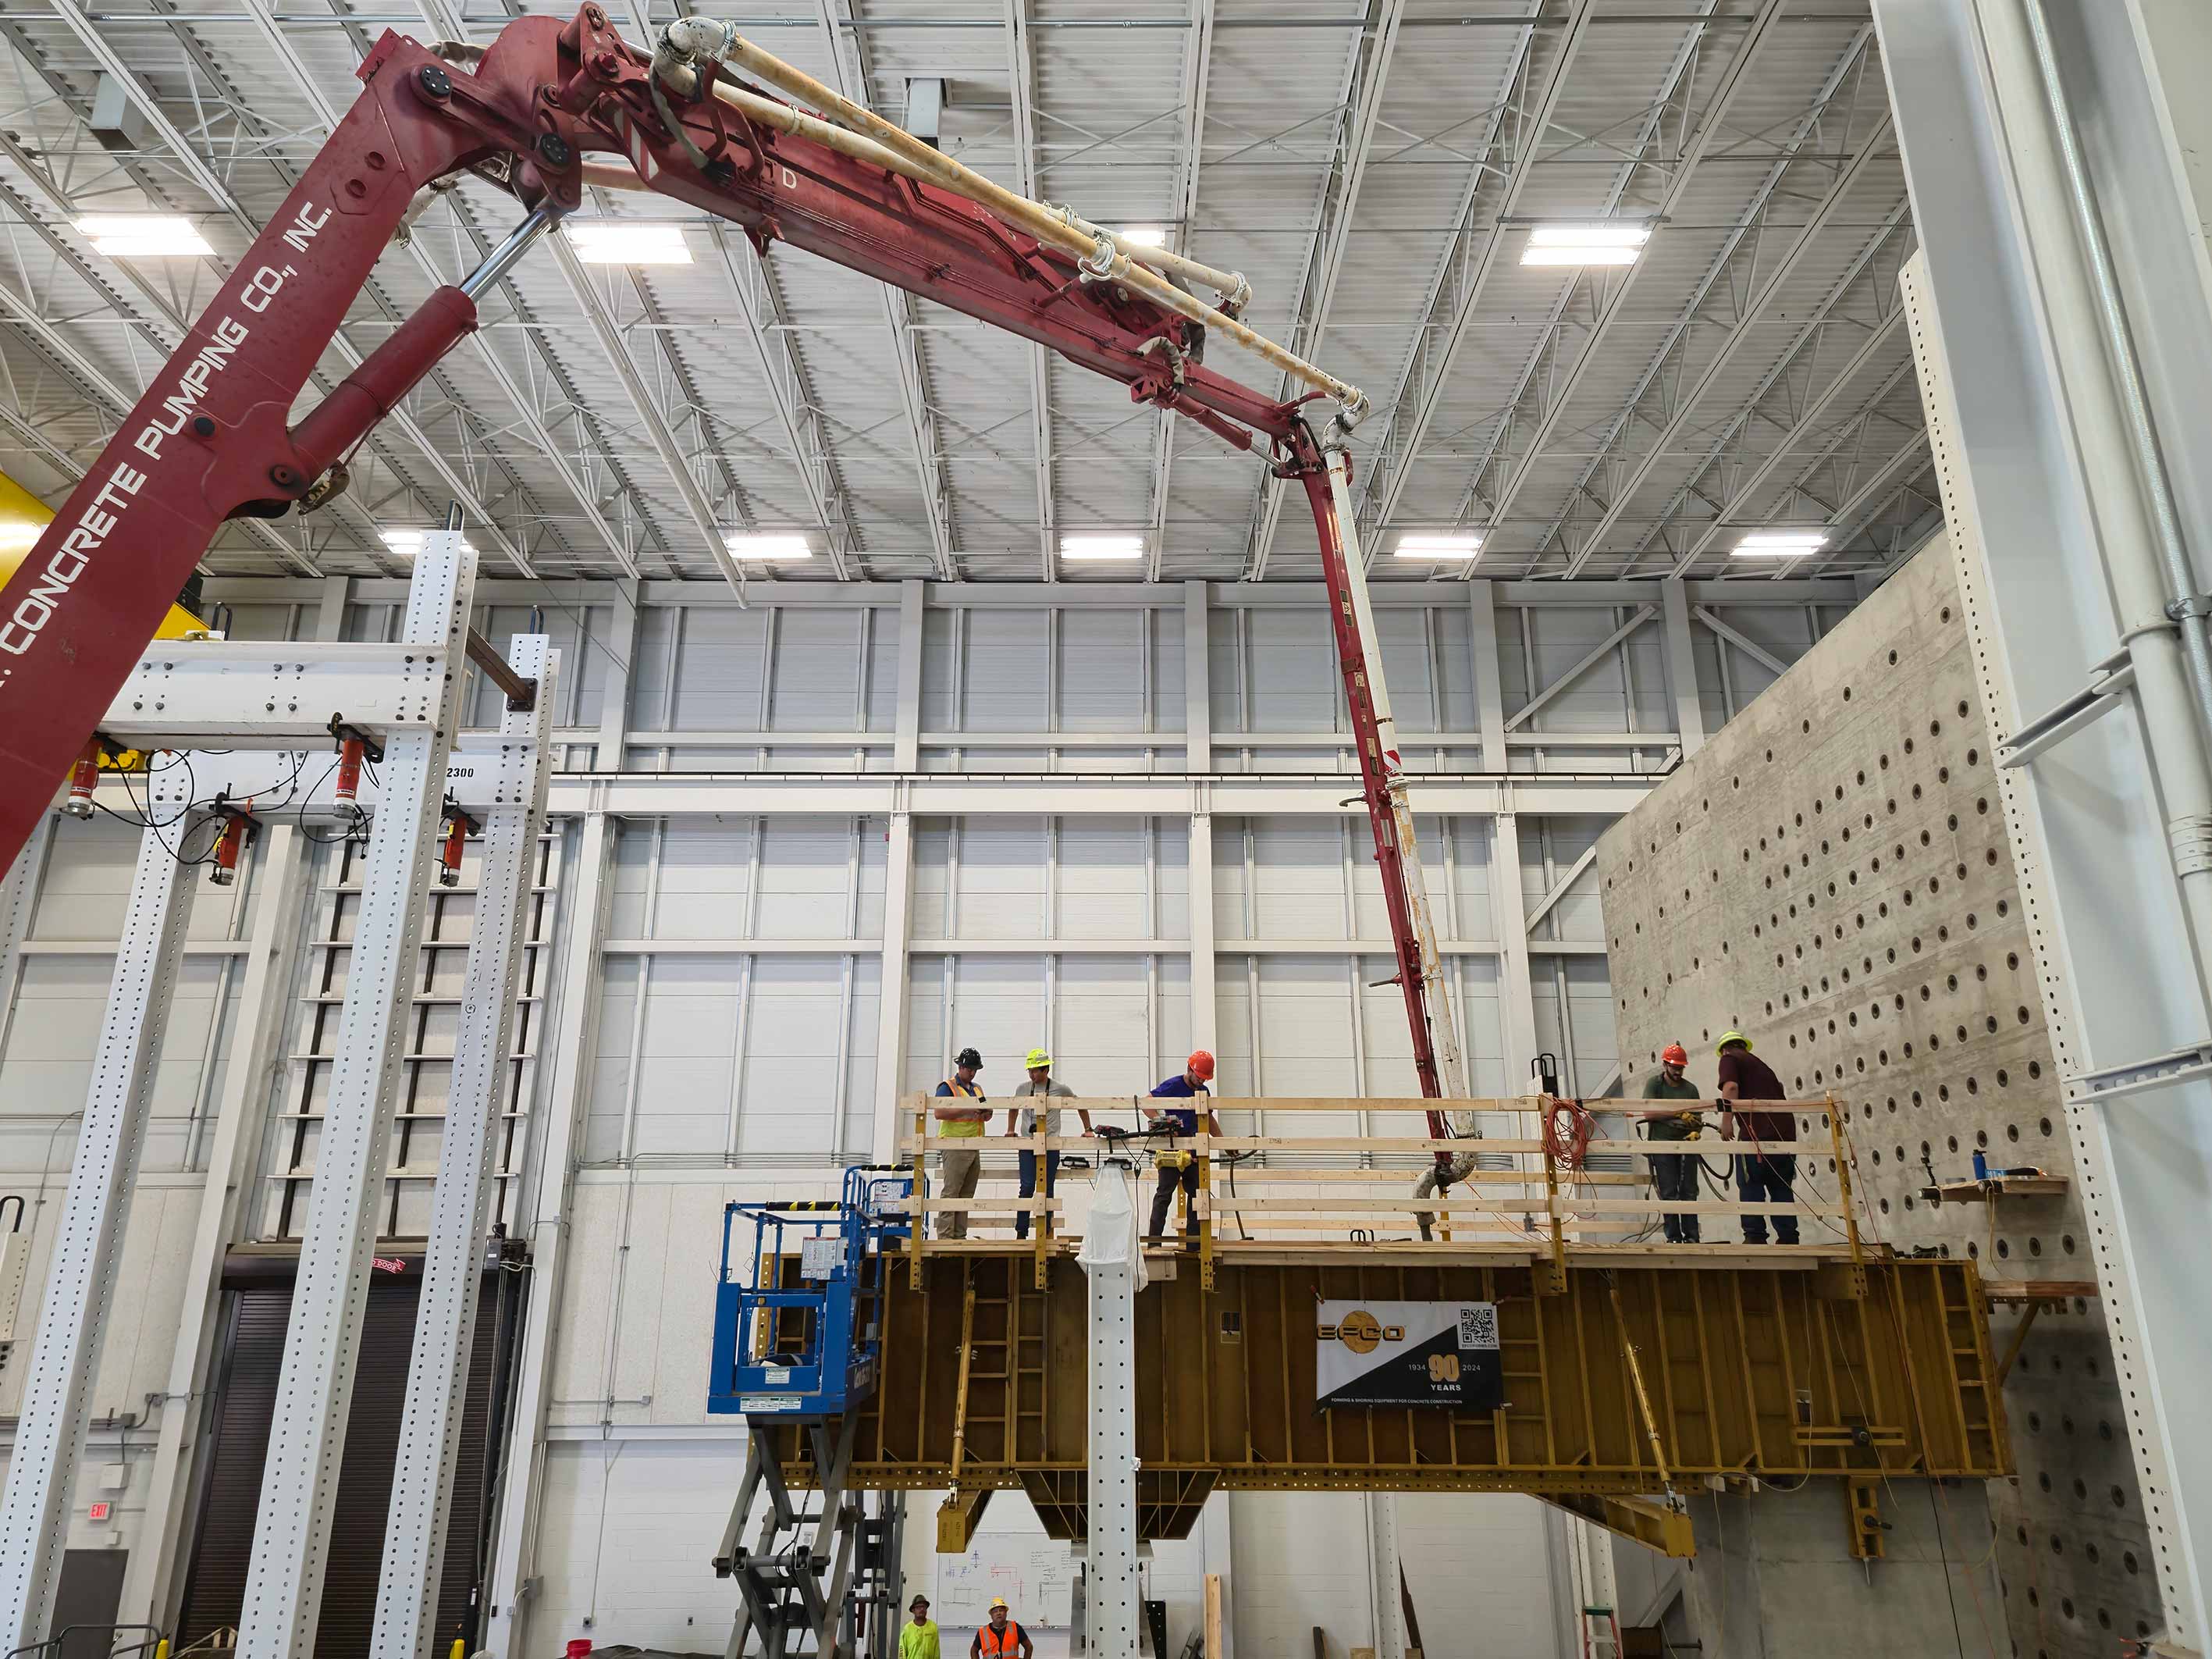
(2054, 440)
(1753, 1369)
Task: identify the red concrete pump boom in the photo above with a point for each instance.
(211, 439)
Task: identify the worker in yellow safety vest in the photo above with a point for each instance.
(1002, 1635)
(958, 1166)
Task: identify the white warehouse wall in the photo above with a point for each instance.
(854, 886)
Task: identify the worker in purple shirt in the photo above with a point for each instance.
(1187, 1084)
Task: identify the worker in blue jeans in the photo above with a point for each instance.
(1181, 1168)
(1024, 1123)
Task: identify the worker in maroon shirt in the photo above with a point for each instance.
(1766, 1161)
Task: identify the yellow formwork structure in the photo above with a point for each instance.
(1641, 1374)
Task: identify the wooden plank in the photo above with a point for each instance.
(1213, 1648)
(1565, 1206)
(1415, 1105)
(2016, 1291)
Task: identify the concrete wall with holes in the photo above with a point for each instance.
(1830, 875)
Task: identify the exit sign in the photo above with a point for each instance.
(99, 1512)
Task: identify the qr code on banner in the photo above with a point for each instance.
(1477, 1325)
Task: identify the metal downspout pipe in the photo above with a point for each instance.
(2147, 571)
(2181, 577)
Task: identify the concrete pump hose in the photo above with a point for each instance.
(867, 136)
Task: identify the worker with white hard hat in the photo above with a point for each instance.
(1674, 1175)
(1040, 1085)
(1181, 1167)
(1001, 1636)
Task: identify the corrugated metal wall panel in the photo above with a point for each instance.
(1291, 671)
(735, 1055)
(1001, 883)
(719, 670)
(1102, 891)
(1003, 671)
(1102, 671)
(1102, 1039)
(816, 684)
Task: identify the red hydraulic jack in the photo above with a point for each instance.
(237, 831)
(209, 441)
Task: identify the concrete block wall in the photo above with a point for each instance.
(1830, 875)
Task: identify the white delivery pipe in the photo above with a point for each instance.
(882, 143)
(689, 39)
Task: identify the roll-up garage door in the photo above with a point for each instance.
(257, 1300)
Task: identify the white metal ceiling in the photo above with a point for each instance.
(1370, 170)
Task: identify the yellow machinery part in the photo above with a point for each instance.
(23, 516)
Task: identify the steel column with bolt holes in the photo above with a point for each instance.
(153, 1577)
(80, 1280)
(1114, 1261)
(19, 894)
(307, 1431)
(1383, 1569)
(460, 1204)
(547, 1207)
(2040, 479)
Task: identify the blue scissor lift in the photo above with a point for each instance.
(798, 1338)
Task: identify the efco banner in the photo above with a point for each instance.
(1409, 1354)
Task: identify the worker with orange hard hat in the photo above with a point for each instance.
(1187, 1084)
(1674, 1175)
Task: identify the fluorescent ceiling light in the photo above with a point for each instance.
(1779, 543)
(409, 543)
(1101, 547)
(143, 236)
(1612, 242)
(628, 242)
(769, 548)
(1437, 544)
(1145, 235)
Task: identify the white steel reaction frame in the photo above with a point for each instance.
(306, 1434)
(57, 1393)
(444, 1323)
(152, 1577)
(2052, 508)
(1113, 1258)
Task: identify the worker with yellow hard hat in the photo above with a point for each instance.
(1767, 1158)
(1001, 1636)
(1187, 1084)
(1674, 1175)
(1040, 1086)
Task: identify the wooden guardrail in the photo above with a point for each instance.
(1547, 1198)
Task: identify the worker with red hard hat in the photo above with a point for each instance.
(1674, 1175)
(1181, 1167)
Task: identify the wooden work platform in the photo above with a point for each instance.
(1639, 1368)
